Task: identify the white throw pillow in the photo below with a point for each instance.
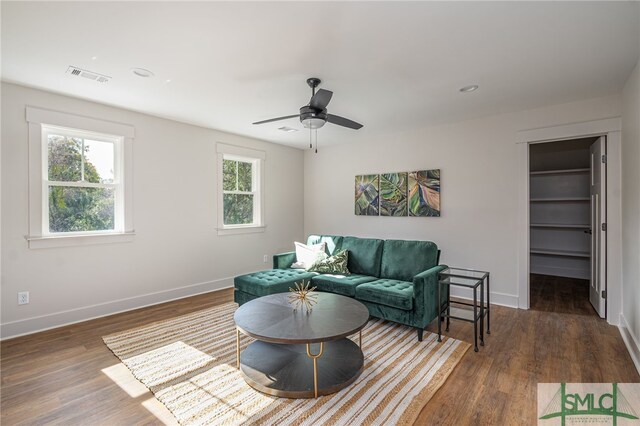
(308, 255)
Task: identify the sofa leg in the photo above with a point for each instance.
(420, 335)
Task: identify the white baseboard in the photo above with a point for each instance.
(58, 319)
(630, 340)
(502, 299)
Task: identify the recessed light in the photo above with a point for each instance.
(167, 81)
(287, 129)
(467, 89)
(141, 72)
(93, 58)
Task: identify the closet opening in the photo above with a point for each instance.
(567, 225)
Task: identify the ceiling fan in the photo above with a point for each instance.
(314, 115)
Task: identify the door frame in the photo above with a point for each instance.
(611, 128)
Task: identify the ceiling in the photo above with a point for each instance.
(393, 66)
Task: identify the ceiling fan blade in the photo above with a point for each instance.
(341, 121)
(276, 119)
(321, 99)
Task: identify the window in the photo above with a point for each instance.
(238, 194)
(82, 182)
(79, 180)
(240, 208)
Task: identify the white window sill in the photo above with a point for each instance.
(241, 230)
(78, 240)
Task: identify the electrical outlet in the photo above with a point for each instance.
(265, 258)
(23, 297)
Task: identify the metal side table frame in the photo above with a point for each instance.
(471, 279)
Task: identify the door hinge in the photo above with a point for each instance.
(604, 159)
(603, 226)
(604, 294)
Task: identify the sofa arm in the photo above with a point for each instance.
(284, 260)
(425, 290)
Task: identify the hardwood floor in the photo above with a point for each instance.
(560, 339)
(561, 295)
(56, 377)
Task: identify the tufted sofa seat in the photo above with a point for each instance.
(271, 281)
(394, 293)
(395, 279)
(340, 284)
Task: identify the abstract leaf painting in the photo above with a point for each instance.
(393, 194)
(367, 195)
(424, 193)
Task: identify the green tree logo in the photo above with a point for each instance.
(613, 405)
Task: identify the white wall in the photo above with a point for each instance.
(176, 251)
(631, 213)
(479, 186)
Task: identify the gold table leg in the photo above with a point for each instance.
(238, 348)
(360, 339)
(315, 365)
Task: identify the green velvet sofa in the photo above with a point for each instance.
(395, 279)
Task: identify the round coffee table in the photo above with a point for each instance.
(300, 354)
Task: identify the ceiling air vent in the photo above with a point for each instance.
(88, 74)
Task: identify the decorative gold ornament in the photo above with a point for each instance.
(302, 296)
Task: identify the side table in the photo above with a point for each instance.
(474, 280)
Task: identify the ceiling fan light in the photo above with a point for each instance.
(313, 122)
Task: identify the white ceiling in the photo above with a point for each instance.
(392, 66)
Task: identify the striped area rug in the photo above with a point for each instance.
(188, 362)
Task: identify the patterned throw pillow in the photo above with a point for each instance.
(336, 264)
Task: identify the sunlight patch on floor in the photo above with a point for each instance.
(169, 362)
(161, 412)
(189, 380)
(216, 394)
(123, 377)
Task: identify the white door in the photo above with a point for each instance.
(598, 285)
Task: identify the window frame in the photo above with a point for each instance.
(117, 186)
(254, 193)
(41, 124)
(256, 158)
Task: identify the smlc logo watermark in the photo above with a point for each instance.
(615, 404)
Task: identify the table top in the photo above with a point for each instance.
(464, 273)
(272, 319)
(460, 281)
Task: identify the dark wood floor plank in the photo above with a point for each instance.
(55, 377)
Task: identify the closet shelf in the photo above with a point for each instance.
(560, 225)
(559, 199)
(560, 172)
(565, 253)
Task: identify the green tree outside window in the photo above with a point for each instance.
(76, 208)
(237, 183)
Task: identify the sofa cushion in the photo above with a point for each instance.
(334, 242)
(404, 259)
(394, 293)
(364, 255)
(270, 281)
(340, 284)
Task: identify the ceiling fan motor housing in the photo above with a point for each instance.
(311, 118)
